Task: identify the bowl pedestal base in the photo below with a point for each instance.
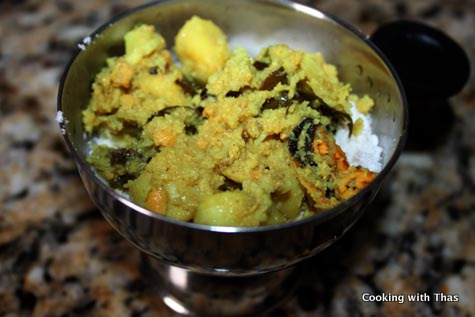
(194, 294)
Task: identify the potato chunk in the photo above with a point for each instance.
(225, 209)
(202, 48)
(142, 41)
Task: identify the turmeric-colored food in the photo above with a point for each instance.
(224, 138)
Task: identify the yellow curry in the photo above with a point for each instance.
(222, 138)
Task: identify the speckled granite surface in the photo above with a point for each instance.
(58, 257)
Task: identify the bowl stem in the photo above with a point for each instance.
(194, 294)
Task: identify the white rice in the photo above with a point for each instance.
(363, 149)
(85, 42)
(62, 121)
(106, 140)
(59, 116)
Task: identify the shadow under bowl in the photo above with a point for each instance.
(236, 251)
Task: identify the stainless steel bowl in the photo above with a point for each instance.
(232, 251)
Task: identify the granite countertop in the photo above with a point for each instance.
(59, 257)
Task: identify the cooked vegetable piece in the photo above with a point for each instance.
(276, 77)
(281, 101)
(140, 42)
(202, 48)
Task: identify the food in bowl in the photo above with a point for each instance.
(225, 139)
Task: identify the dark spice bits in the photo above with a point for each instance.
(131, 128)
(309, 127)
(189, 86)
(235, 94)
(122, 155)
(229, 184)
(309, 136)
(190, 129)
(281, 101)
(334, 114)
(163, 112)
(120, 180)
(274, 78)
(204, 94)
(260, 65)
(153, 70)
(304, 92)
